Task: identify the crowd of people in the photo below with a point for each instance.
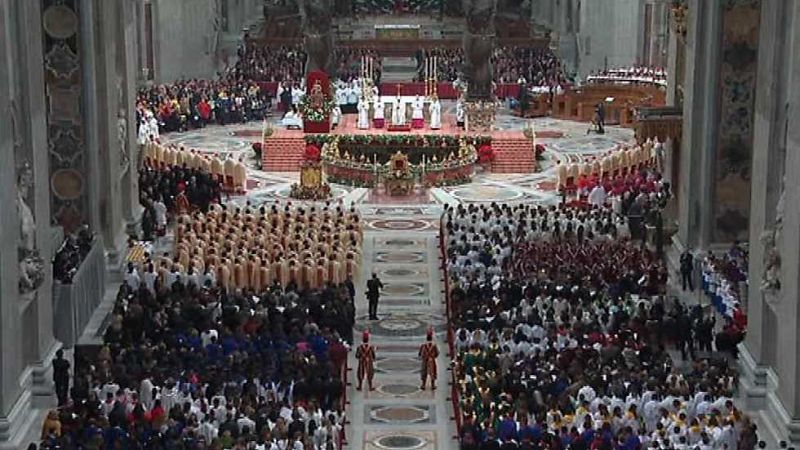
(188, 104)
(534, 67)
(258, 62)
(192, 366)
(634, 74)
(252, 248)
(561, 333)
(70, 255)
(724, 280)
(349, 63)
(173, 189)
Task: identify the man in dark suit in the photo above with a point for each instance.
(374, 287)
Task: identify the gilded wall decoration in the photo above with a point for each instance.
(66, 123)
(734, 151)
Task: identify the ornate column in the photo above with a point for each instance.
(769, 356)
(67, 131)
(127, 70)
(31, 158)
(700, 119)
(733, 152)
(26, 338)
(317, 35)
(108, 162)
(479, 40)
(10, 355)
(678, 14)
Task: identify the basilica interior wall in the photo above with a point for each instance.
(770, 359)
(185, 37)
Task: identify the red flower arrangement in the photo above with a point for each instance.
(485, 153)
(312, 153)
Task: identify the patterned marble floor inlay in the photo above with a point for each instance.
(396, 364)
(397, 272)
(392, 288)
(400, 324)
(400, 257)
(389, 440)
(401, 390)
(399, 224)
(400, 415)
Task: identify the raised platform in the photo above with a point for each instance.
(283, 151)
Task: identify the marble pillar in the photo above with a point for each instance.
(770, 353)
(699, 120)
(720, 73)
(26, 245)
(127, 70)
(106, 67)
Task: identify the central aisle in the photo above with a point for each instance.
(397, 414)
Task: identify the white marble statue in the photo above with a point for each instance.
(460, 112)
(122, 137)
(436, 114)
(31, 265)
(363, 114)
(398, 112)
(771, 240)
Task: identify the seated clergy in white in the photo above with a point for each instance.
(292, 119)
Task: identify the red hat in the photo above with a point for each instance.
(365, 337)
(430, 333)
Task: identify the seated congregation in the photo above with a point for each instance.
(561, 334)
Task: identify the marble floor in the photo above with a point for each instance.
(401, 246)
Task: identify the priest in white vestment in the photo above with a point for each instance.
(436, 114)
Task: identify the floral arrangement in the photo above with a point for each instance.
(433, 147)
(314, 111)
(312, 153)
(486, 154)
(321, 192)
